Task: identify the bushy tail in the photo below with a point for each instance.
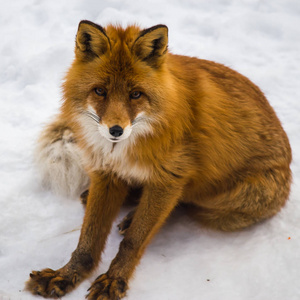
(59, 161)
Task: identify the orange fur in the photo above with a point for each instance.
(192, 132)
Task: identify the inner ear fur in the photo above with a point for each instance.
(152, 44)
(91, 41)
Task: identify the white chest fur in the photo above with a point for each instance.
(114, 157)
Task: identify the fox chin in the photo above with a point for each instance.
(138, 123)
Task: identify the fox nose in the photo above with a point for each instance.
(116, 131)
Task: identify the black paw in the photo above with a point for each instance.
(49, 283)
(105, 288)
(84, 196)
(126, 222)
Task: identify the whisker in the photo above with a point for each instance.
(95, 119)
(92, 116)
(140, 120)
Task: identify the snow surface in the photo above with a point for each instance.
(259, 38)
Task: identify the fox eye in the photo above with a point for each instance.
(100, 92)
(135, 95)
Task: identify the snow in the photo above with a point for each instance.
(258, 38)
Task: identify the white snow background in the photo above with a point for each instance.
(258, 38)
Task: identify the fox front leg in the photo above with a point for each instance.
(105, 198)
(155, 206)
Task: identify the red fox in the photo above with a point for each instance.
(179, 130)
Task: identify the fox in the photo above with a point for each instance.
(138, 122)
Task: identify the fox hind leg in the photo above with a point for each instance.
(221, 219)
(252, 201)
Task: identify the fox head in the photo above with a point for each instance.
(113, 87)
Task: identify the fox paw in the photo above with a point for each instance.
(84, 196)
(105, 288)
(50, 284)
(126, 222)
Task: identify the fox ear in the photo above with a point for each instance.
(151, 45)
(91, 41)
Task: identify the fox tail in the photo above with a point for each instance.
(58, 160)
